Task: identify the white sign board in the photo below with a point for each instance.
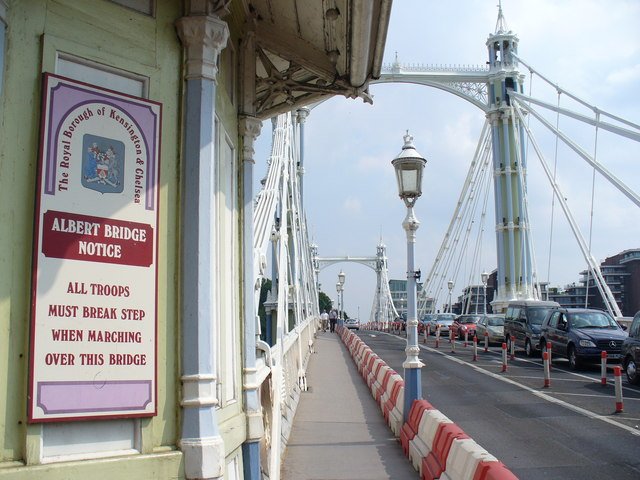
(94, 293)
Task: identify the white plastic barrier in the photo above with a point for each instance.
(463, 460)
(420, 445)
(377, 383)
(373, 374)
(396, 414)
(387, 393)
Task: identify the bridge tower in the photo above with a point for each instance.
(515, 274)
(487, 87)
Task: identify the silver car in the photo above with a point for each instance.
(444, 321)
(493, 325)
(352, 323)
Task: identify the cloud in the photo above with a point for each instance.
(624, 76)
(352, 205)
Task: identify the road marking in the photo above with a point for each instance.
(608, 397)
(555, 379)
(543, 396)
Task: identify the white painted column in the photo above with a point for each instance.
(250, 129)
(204, 36)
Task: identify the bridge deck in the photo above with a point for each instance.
(338, 431)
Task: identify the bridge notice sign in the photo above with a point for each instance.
(94, 279)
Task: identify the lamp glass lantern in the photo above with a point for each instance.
(409, 166)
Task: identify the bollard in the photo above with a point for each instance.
(453, 343)
(547, 373)
(466, 338)
(603, 367)
(450, 335)
(617, 375)
(475, 348)
(549, 350)
(437, 336)
(486, 341)
(504, 357)
(513, 350)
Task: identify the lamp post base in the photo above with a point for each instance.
(412, 389)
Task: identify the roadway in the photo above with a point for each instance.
(568, 431)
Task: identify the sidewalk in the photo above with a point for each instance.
(338, 431)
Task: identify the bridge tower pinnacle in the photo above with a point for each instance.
(515, 275)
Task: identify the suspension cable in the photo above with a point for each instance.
(619, 184)
(574, 97)
(604, 289)
(593, 189)
(553, 197)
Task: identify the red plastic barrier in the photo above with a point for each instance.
(434, 464)
(410, 428)
(383, 386)
(374, 373)
(393, 398)
(368, 366)
(365, 359)
(493, 471)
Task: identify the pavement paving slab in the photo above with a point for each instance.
(338, 431)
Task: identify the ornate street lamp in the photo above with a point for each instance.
(450, 286)
(340, 289)
(409, 165)
(485, 277)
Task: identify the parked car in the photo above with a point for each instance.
(631, 352)
(465, 324)
(581, 334)
(444, 321)
(429, 320)
(352, 323)
(493, 324)
(522, 323)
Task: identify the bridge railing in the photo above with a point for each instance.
(289, 360)
(420, 67)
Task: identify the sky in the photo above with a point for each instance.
(589, 47)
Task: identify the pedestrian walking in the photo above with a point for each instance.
(333, 319)
(324, 320)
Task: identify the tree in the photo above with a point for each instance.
(324, 302)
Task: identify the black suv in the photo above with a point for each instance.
(522, 322)
(581, 334)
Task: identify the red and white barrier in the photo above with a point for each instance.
(475, 348)
(549, 352)
(386, 394)
(617, 376)
(373, 372)
(434, 464)
(547, 372)
(486, 341)
(504, 357)
(420, 446)
(463, 460)
(395, 418)
(493, 471)
(437, 336)
(436, 447)
(410, 427)
(513, 350)
(377, 381)
(383, 386)
(603, 367)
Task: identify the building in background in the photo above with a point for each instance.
(621, 272)
(398, 290)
